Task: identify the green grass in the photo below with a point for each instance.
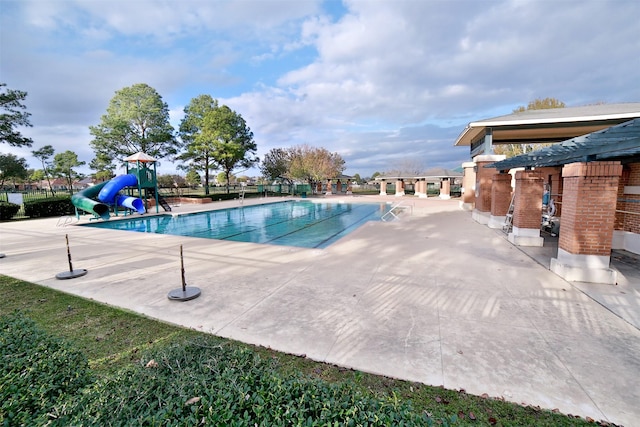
(119, 344)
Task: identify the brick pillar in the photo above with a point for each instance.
(445, 188)
(383, 187)
(399, 188)
(527, 209)
(329, 188)
(500, 199)
(484, 181)
(468, 186)
(586, 227)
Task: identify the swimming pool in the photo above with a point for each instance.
(303, 223)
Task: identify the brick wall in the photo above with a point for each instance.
(628, 217)
(500, 194)
(528, 199)
(588, 211)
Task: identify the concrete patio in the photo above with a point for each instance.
(433, 297)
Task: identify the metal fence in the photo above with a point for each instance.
(22, 197)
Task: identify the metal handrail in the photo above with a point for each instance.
(241, 198)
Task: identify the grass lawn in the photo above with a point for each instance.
(146, 372)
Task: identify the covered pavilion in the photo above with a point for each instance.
(594, 179)
(444, 178)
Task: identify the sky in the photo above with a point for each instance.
(383, 83)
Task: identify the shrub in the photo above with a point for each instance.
(51, 206)
(203, 382)
(8, 210)
(212, 196)
(37, 371)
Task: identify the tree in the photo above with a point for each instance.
(408, 166)
(37, 176)
(314, 164)
(541, 104)
(276, 165)
(357, 178)
(222, 141)
(137, 120)
(44, 155)
(199, 146)
(193, 178)
(233, 141)
(511, 150)
(179, 181)
(12, 116)
(13, 167)
(221, 178)
(165, 181)
(63, 164)
(103, 166)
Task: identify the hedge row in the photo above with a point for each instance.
(51, 206)
(8, 210)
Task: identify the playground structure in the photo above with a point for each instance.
(141, 176)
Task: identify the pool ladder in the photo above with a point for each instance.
(241, 198)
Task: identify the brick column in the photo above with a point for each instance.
(399, 188)
(500, 199)
(468, 186)
(383, 187)
(484, 181)
(445, 188)
(586, 228)
(527, 209)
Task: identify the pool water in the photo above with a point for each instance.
(304, 224)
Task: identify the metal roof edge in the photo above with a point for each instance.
(570, 119)
(473, 129)
(467, 130)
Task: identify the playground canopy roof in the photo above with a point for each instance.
(549, 125)
(140, 157)
(620, 142)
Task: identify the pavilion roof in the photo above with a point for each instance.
(620, 142)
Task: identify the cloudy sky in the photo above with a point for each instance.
(381, 82)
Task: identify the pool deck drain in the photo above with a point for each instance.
(433, 297)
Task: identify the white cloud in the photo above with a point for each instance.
(373, 80)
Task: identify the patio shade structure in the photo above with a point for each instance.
(548, 125)
(620, 142)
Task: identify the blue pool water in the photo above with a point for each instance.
(304, 224)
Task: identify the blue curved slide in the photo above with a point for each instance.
(98, 198)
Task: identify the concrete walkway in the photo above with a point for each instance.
(433, 297)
